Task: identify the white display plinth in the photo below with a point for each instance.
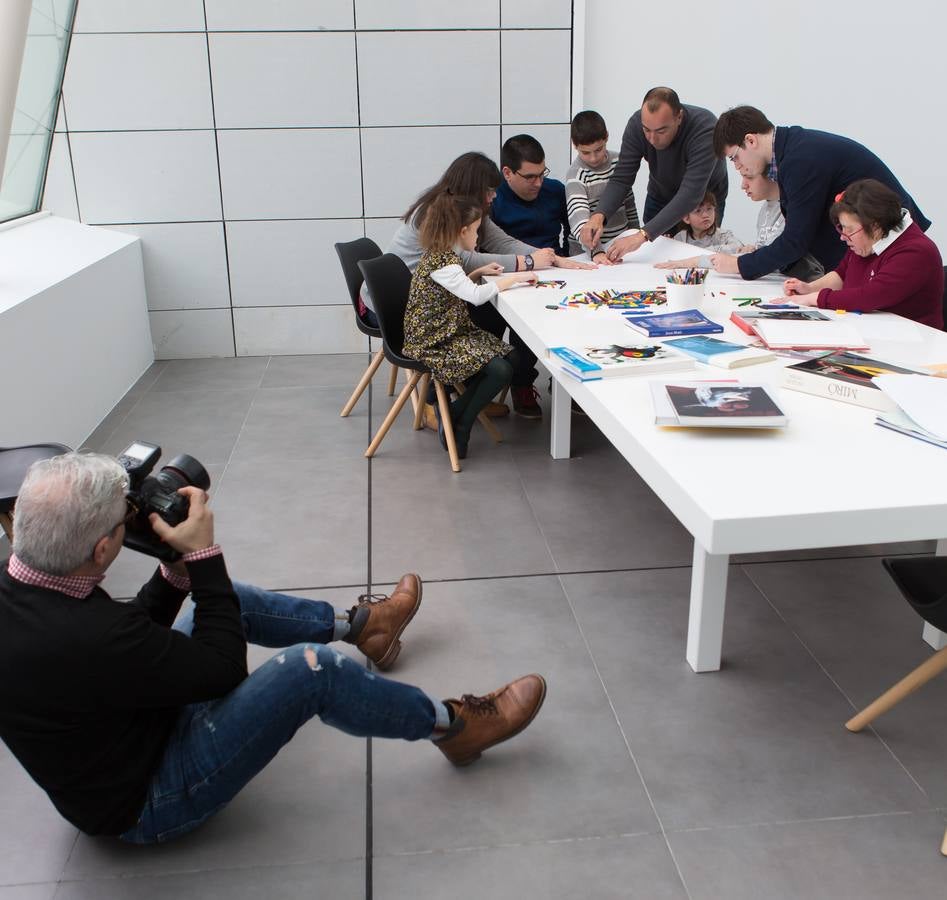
(74, 331)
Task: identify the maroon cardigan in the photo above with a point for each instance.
(907, 279)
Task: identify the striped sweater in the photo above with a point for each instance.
(584, 187)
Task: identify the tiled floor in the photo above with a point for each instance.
(638, 779)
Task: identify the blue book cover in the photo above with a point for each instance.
(687, 321)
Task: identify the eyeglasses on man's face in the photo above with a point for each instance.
(535, 178)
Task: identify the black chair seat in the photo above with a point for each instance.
(14, 463)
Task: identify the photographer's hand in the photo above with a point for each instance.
(196, 532)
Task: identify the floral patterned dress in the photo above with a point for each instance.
(438, 330)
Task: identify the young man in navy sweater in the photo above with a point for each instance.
(529, 206)
(811, 169)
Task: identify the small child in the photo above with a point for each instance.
(438, 330)
(586, 181)
(700, 229)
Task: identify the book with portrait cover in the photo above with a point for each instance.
(846, 377)
(724, 404)
(609, 360)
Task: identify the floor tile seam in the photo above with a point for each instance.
(236, 440)
(532, 509)
(855, 707)
(815, 820)
(519, 845)
(65, 865)
(176, 873)
(624, 737)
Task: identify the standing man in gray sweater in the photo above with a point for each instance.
(676, 141)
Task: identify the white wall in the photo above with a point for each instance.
(240, 139)
(872, 70)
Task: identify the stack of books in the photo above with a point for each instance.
(784, 329)
(708, 404)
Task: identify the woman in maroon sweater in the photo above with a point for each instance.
(891, 265)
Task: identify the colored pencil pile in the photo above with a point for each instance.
(688, 276)
(610, 299)
(555, 283)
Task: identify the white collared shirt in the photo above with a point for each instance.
(879, 247)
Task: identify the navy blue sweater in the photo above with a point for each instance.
(811, 168)
(542, 222)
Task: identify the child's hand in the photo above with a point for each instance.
(489, 269)
(504, 284)
(670, 264)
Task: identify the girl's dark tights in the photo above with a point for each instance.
(481, 389)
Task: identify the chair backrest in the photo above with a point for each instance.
(14, 462)
(351, 253)
(389, 281)
(944, 301)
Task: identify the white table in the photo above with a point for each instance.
(831, 478)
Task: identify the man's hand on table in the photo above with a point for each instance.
(600, 258)
(725, 263)
(622, 245)
(591, 231)
(570, 262)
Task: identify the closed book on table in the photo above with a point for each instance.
(617, 360)
(809, 335)
(846, 377)
(687, 321)
(722, 354)
(744, 319)
(706, 404)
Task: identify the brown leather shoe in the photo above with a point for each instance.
(482, 722)
(378, 620)
(430, 419)
(496, 410)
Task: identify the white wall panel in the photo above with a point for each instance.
(191, 333)
(290, 173)
(126, 82)
(284, 80)
(278, 15)
(139, 15)
(146, 176)
(290, 263)
(407, 14)
(429, 78)
(381, 231)
(536, 14)
(289, 330)
(527, 98)
(185, 264)
(399, 163)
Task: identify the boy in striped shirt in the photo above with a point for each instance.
(586, 180)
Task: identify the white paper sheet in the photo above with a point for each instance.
(922, 397)
(886, 327)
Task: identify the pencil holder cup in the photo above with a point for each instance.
(684, 296)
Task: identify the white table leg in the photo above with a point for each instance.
(708, 602)
(560, 429)
(934, 636)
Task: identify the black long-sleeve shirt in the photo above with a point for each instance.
(91, 688)
(678, 176)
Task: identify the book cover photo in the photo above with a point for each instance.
(846, 377)
(727, 405)
(608, 360)
(722, 354)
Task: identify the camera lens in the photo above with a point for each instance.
(182, 471)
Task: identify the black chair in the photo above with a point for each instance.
(14, 462)
(351, 254)
(923, 582)
(389, 280)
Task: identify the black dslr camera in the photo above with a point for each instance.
(157, 494)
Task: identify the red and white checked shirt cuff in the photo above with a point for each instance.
(183, 582)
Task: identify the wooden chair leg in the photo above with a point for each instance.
(444, 407)
(894, 695)
(419, 406)
(503, 394)
(6, 522)
(943, 847)
(360, 387)
(484, 420)
(393, 380)
(392, 414)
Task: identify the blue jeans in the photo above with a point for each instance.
(215, 748)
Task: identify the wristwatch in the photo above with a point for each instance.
(528, 262)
